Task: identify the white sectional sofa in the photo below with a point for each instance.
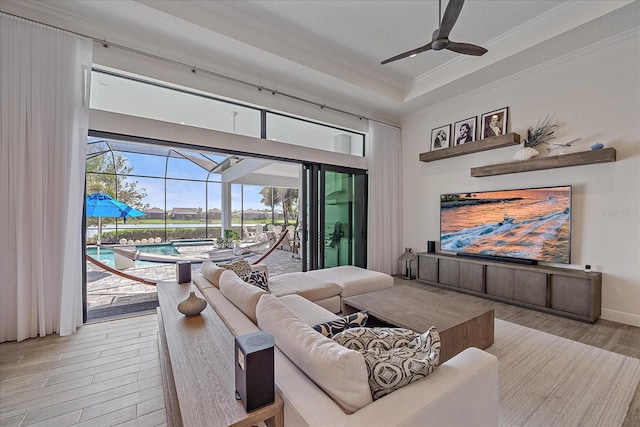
(328, 287)
(324, 384)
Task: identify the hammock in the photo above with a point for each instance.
(118, 272)
(284, 235)
(132, 253)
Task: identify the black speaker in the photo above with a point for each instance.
(254, 370)
(431, 246)
(183, 271)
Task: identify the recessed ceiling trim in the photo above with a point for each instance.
(546, 26)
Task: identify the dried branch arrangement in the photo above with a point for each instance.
(541, 134)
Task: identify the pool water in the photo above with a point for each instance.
(105, 255)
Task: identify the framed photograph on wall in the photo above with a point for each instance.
(440, 137)
(464, 131)
(494, 123)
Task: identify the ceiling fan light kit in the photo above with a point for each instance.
(440, 37)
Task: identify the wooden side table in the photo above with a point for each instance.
(197, 356)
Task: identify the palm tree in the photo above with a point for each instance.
(287, 197)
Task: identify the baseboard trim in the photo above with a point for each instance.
(620, 317)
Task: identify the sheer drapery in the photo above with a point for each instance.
(384, 229)
(44, 118)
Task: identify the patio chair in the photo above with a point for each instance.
(291, 237)
(248, 236)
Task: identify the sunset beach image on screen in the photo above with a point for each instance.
(533, 223)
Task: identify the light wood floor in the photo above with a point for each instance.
(612, 336)
(105, 375)
(109, 373)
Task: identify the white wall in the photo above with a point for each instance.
(594, 95)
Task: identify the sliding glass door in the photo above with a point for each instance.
(335, 213)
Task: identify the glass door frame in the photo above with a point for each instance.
(313, 203)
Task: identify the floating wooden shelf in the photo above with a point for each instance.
(472, 147)
(564, 160)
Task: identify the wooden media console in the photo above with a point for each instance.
(575, 294)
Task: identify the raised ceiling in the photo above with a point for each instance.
(330, 51)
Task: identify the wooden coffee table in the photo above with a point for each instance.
(411, 306)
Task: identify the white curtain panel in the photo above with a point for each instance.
(385, 214)
(44, 76)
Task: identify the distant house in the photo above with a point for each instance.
(214, 213)
(255, 214)
(155, 213)
(184, 213)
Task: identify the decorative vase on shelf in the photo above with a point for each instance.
(525, 153)
(192, 306)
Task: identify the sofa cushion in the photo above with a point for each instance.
(354, 280)
(240, 293)
(340, 372)
(256, 278)
(392, 369)
(355, 320)
(310, 287)
(239, 266)
(211, 272)
(366, 338)
(308, 312)
(237, 322)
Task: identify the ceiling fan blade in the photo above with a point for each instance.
(450, 17)
(466, 48)
(408, 54)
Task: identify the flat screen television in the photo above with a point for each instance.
(522, 224)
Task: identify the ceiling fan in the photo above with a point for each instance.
(440, 38)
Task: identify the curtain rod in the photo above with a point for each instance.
(195, 69)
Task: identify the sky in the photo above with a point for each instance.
(148, 171)
(185, 194)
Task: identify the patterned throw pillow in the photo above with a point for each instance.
(392, 369)
(366, 338)
(355, 320)
(239, 266)
(256, 278)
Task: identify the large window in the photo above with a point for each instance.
(136, 96)
(193, 194)
(302, 132)
(181, 192)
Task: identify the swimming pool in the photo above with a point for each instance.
(105, 255)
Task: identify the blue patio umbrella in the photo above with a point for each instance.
(102, 205)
